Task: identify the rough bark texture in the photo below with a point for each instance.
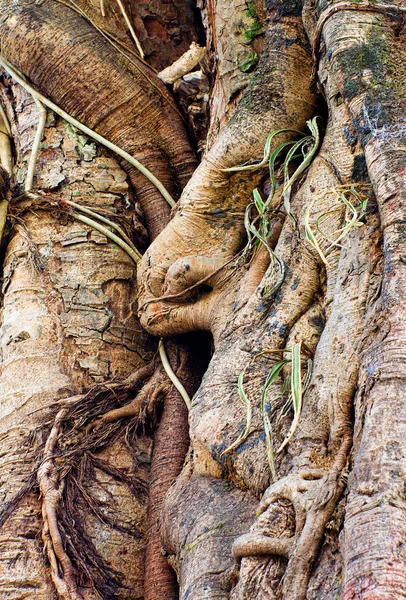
(279, 97)
(330, 520)
(165, 29)
(68, 321)
(373, 88)
(70, 62)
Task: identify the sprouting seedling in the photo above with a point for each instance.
(271, 377)
(304, 148)
(244, 398)
(258, 231)
(296, 393)
(355, 206)
(295, 401)
(258, 214)
(293, 381)
(307, 148)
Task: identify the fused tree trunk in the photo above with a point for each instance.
(262, 508)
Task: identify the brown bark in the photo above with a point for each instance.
(374, 561)
(348, 316)
(68, 323)
(279, 97)
(171, 441)
(165, 29)
(120, 97)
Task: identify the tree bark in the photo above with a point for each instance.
(324, 518)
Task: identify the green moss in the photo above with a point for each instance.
(251, 10)
(372, 57)
(255, 28)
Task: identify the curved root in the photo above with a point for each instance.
(53, 480)
(51, 488)
(141, 407)
(313, 494)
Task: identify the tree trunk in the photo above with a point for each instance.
(293, 483)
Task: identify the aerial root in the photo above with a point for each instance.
(303, 490)
(141, 407)
(53, 472)
(313, 493)
(256, 544)
(51, 487)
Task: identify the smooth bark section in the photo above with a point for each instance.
(209, 221)
(200, 546)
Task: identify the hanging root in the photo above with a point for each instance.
(51, 488)
(143, 406)
(78, 433)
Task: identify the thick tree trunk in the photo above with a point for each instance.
(69, 323)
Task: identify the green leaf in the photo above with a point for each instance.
(258, 201)
(272, 375)
(244, 434)
(296, 392)
(250, 62)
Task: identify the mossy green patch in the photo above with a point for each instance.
(255, 28)
(372, 59)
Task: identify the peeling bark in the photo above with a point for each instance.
(68, 321)
(134, 110)
(373, 89)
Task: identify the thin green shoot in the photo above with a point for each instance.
(259, 212)
(295, 400)
(267, 153)
(271, 377)
(269, 447)
(308, 147)
(244, 398)
(296, 392)
(287, 386)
